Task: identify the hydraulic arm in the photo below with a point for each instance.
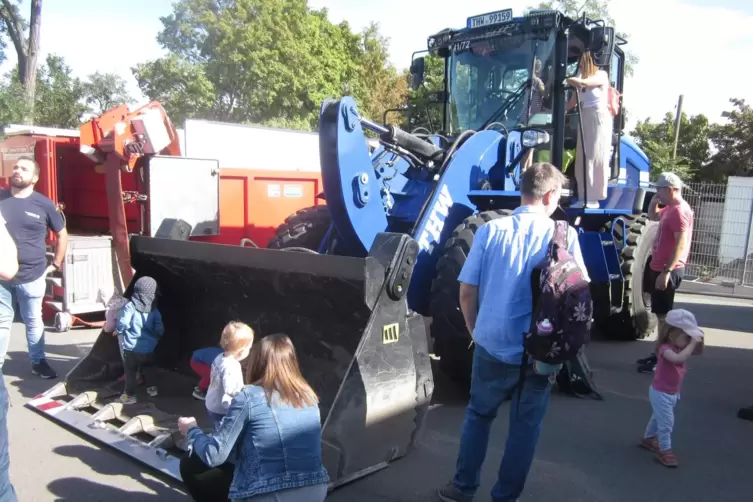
(118, 139)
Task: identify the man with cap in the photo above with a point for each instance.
(670, 252)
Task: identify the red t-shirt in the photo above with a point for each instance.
(668, 376)
(674, 218)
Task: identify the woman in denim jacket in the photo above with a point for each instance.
(271, 433)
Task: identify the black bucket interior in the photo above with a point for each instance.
(317, 300)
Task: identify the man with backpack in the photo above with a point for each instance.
(496, 298)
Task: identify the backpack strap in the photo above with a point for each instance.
(561, 228)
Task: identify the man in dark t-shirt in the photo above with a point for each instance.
(28, 216)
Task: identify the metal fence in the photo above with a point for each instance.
(721, 250)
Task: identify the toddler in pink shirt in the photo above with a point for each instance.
(678, 339)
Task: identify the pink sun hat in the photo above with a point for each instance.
(684, 320)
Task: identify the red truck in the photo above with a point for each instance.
(227, 181)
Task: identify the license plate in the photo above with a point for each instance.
(501, 16)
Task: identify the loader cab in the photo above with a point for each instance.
(487, 67)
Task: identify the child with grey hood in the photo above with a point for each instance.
(139, 327)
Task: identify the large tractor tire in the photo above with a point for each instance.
(451, 338)
(305, 229)
(636, 321)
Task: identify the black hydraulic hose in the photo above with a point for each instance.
(406, 140)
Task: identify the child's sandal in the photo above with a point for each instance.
(650, 444)
(667, 458)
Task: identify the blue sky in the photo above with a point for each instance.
(699, 48)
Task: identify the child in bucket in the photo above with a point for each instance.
(139, 326)
(678, 338)
(201, 364)
(226, 379)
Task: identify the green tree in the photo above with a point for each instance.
(24, 34)
(425, 111)
(104, 91)
(734, 143)
(12, 101)
(266, 61)
(59, 95)
(662, 160)
(594, 9)
(382, 87)
(693, 143)
(182, 88)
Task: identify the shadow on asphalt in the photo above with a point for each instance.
(18, 365)
(587, 451)
(723, 317)
(83, 490)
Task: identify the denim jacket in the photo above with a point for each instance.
(279, 447)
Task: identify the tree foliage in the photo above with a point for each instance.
(24, 34)
(59, 96)
(61, 99)
(705, 152)
(425, 111)
(104, 91)
(693, 147)
(265, 61)
(734, 142)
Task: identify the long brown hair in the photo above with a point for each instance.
(273, 366)
(586, 65)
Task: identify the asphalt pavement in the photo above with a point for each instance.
(587, 451)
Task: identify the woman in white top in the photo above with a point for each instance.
(597, 131)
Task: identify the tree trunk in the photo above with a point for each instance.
(27, 50)
(32, 55)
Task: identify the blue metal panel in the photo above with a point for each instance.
(353, 191)
(634, 161)
(450, 205)
(592, 249)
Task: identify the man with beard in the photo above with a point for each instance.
(28, 217)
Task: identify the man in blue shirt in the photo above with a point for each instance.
(29, 215)
(497, 303)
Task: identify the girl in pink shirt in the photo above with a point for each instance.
(678, 339)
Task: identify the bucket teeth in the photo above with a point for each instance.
(83, 400)
(140, 423)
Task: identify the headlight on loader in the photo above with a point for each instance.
(533, 138)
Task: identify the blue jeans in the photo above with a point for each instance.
(662, 418)
(313, 493)
(7, 492)
(29, 297)
(492, 382)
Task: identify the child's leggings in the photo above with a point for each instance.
(663, 417)
(204, 371)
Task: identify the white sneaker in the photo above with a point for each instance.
(593, 205)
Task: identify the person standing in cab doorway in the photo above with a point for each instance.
(595, 135)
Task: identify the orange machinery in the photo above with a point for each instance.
(118, 140)
(99, 177)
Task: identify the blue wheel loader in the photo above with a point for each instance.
(440, 186)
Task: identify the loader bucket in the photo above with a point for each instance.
(359, 347)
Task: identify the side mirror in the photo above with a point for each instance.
(417, 69)
(601, 45)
